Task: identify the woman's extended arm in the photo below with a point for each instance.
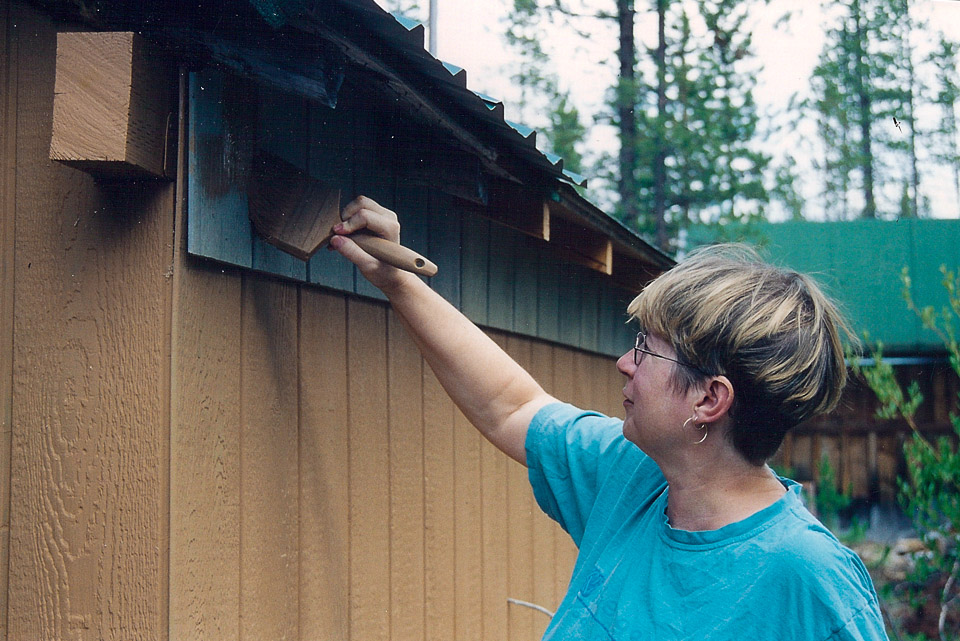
(497, 395)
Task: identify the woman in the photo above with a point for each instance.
(683, 530)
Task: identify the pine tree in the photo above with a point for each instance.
(684, 109)
(866, 93)
(944, 59)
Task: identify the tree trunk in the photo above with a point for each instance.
(864, 100)
(626, 100)
(660, 157)
(911, 119)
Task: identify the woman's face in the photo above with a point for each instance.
(654, 410)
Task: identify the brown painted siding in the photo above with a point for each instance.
(8, 181)
(193, 451)
(359, 481)
(88, 473)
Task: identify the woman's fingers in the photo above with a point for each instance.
(366, 213)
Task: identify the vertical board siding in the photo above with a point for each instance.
(269, 523)
(369, 471)
(468, 558)
(88, 514)
(504, 247)
(324, 467)
(525, 289)
(8, 175)
(205, 455)
(438, 481)
(199, 452)
(405, 370)
(497, 276)
(446, 248)
(474, 268)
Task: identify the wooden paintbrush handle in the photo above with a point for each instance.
(394, 254)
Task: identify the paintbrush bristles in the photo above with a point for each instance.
(290, 209)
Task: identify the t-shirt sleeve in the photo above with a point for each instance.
(866, 625)
(570, 453)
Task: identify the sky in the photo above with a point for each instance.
(469, 35)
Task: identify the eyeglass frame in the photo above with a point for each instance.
(639, 347)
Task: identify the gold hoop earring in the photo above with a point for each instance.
(703, 426)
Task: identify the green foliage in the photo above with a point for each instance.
(930, 493)
(866, 92)
(540, 92)
(944, 60)
(703, 136)
(830, 501)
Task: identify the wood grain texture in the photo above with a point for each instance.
(111, 103)
(269, 450)
(438, 459)
(88, 539)
(493, 505)
(8, 177)
(92, 96)
(369, 471)
(205, 455)
(405, 371)
(520, 541)
(468, 559)
(324, 467)
(544, 529)
(204, 443)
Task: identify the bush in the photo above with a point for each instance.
(930, 493)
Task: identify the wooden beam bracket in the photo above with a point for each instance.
(113, 111)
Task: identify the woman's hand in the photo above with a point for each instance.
(491, 389)
(364, 213)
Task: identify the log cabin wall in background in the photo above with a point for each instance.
(866, 453)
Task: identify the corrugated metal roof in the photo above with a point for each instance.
(304, 45)
(859, 263)
(408, 37)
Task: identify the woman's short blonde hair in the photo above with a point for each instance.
(771, 331)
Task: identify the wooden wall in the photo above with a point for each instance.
(866, 453)
(86, 343)
(324, 486)
(194, 451)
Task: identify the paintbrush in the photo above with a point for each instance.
(297, 212)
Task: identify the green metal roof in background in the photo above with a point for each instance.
(859, 263)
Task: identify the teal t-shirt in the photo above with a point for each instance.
(778, 574)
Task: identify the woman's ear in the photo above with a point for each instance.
(715, 400)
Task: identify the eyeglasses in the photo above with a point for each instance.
(640, 347)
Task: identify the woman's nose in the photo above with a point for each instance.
(625, 364)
